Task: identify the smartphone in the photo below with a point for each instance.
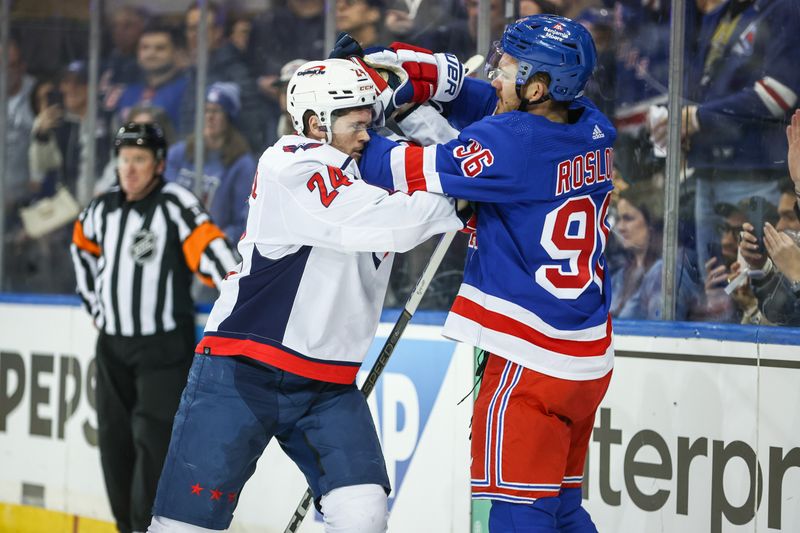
(756, 208)
(55, 98)
(715, 250)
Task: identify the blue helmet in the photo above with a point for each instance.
(556, 45)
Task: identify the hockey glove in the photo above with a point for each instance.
(383, 88)
(345, 47)
(466, 212)
(385, 80)
(428, 76)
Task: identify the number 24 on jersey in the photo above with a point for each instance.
(327, 188)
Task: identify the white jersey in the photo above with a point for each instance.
(316, 262)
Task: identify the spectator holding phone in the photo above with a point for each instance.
(739, 305)
(43, 153)
(776, 267)
(58, 159)
(57, 153)
(723, 253)
(778, 292)
(743, 84)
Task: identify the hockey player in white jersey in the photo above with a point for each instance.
(294, 320)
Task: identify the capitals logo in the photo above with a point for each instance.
(305, 146)
(313, 71)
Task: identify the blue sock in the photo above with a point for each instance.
(536, 517)
(572, 518)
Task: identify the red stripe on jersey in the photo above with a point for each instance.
(636, 119)
(775, 96)
(415, 179)
(343, 374)
(503, 324)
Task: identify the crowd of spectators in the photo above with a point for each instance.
(741, 90)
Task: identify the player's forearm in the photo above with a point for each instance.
(425, 126)
(476, 100)
(375, 163)
(726, 115)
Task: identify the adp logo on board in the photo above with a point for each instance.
(403, 400)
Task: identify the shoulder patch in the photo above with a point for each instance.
(305, 146)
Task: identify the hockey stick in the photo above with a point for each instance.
(386, 352)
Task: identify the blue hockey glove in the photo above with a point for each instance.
(345, 47)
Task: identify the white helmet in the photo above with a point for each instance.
(327, 86)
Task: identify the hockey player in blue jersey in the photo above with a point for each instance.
(294, 320)
(536, 159)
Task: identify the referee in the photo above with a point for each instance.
(134, 250)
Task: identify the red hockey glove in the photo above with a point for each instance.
(384, 92)
(424, 75)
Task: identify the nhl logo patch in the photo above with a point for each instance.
(144, 245)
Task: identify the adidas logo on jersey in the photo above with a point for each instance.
(597, 133)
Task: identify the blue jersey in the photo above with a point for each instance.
(225, 188)
(747, 96)
(535, 289)
(167, 96)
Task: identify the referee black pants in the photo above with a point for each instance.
(139, 384)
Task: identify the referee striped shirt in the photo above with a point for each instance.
(134, 260)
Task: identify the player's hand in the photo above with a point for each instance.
(414, 75)
(748, 247)
(784, 252)
(345, 47)
(718, 303)
(716, 275)
(48, 119)
(383, 89)
(428, 76)
(793, 136)
(468, 215)
(385, 80)
(658, 122)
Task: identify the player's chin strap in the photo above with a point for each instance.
(328, 135)
(524, 103)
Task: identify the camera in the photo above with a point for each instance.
(55, 98)
(755, 211)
